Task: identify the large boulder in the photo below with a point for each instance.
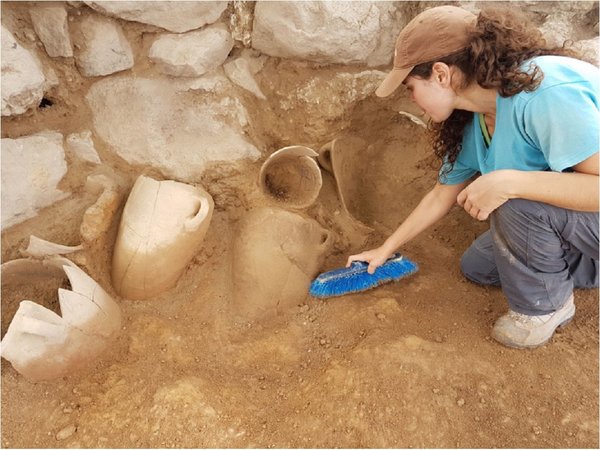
(327, 32)
(104, 49)
(177, 139)
(32, 166)
(52, 27)
(192, 54)
(22, 78)
(177, 17)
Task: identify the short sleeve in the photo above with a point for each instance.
(466, 164)
(456, 173)
(563, 121)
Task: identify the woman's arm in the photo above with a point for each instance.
(430, 209)
(574, 190)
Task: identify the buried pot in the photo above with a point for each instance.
(339, 157)
(42, 345)
(291, 177)
(162, 227)
(276, 255)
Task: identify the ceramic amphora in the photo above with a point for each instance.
(276, 255)
(162, 228)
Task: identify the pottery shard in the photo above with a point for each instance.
(175, 16)
(40, 344)
(192, 54)
(31, 169)
(22, 78)
(52, 27)
(104, 49)
(326, 32)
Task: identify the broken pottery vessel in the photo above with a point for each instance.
(40, 344)
(339, 158)
(291, 177)
(276, 255)
(161, 229)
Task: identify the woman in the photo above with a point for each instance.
(526, 118)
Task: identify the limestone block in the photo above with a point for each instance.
(276, 255)
(104, 49)
(40, 344)
(82, 145)
(22, 78)
(32, 166)
(214, 82)
(178, 17)
(178, 141)
(192, 54)
(162, 227)
(240, 73)
(52, 27)
(341, 32)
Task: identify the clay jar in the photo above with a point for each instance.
(162, 227)
(276, 255)
(291, 177)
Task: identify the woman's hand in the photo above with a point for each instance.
(486, 193)
(375, 257)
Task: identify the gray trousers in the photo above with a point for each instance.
(537, 253)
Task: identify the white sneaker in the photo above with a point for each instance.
(523, 331)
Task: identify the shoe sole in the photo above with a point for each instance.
(561, 325)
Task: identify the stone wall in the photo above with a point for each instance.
(177, 86)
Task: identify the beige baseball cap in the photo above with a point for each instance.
(435, 33)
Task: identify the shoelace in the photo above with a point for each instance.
(524, 318)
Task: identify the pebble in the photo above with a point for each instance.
(304, 308)
(322, 342)
(460, 402)
(436, 390)
(68, 410)
(537, 430)
(381, 316)
(66, 432)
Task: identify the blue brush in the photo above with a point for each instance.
(356, 278)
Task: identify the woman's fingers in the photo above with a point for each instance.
(353, 258)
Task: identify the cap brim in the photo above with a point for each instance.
(392, 81)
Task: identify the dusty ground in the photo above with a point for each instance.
(409, 364)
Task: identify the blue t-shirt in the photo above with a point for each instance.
(552, 128)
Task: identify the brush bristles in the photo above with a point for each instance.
(356, 278)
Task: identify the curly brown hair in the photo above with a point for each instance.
(500, 41)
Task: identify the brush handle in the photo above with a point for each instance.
(357, 264)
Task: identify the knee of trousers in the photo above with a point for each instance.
(519, 207)
(476, 268)
(518, 212)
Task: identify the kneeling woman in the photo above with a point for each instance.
(527, 119)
